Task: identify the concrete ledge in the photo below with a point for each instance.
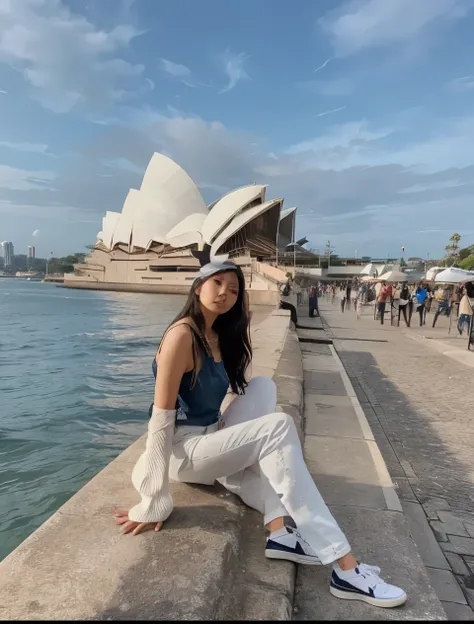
(207, 563)
(256, 296)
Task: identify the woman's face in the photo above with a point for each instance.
(219, 293)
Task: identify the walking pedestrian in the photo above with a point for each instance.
(313, 301)
(342, 298)
(384, 295)
(442, 297)
(465, 314)
(348, 295)
(405, 304)
(421, 295)
(251, 449)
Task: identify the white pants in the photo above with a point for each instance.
(258, 456)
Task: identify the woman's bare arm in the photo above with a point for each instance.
(174, 359)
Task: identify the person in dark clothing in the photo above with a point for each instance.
(313, 301)
(284, 305)
(405, 305)
(348, 293)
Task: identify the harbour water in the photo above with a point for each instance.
(75, 387)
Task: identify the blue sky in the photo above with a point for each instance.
(359, 112)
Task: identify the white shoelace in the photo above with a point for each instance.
(301, 538)
(371, 574)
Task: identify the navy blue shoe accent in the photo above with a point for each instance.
(278, 550)
(343, 585)
(298, 550)
(366, 585)
(340, 583)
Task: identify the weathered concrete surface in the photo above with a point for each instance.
(207, 563)
(419, 405)
(349, 470)
(380, 537)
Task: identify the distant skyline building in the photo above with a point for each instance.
(8, 253)
(31, 251)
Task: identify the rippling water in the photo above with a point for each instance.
(75, 387)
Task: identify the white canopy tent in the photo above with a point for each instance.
(369, 269)
(433, 272)
(393, 276)
(454, 275)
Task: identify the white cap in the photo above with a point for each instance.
(215, 266)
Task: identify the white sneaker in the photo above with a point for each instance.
(289, 545)
(364, 583)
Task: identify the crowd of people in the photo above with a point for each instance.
(404, 299)
(401, 299)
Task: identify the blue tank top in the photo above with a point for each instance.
(199, 405)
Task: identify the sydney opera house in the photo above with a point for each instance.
(147, 247)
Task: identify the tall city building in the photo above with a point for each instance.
(31, 251)
(8, 252)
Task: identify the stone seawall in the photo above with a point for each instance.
(256, 297)
(207, 563)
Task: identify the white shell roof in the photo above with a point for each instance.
(227, 207)
(168, 195)
(187, 232)
(240, 221)
(287, 212)
(123, 229)
(109, 223)
(166, 198)
(169, 208)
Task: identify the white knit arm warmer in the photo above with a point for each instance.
(150, 475)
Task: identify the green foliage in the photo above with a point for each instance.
(467, 263)
(66, 264)
(452, 251)
(21, 263)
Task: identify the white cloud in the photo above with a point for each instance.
(342, 146)
(322, 66)
(67, 60)
(345, 181)
(175, 69)
(36, 148)
(182, 73)
(3, 92)
(362, 24)
(35, 233)
(234, 68)
(465, 83)
(329, 112)
(22, 180)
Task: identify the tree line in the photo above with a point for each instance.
(457, 256)
(21, 263)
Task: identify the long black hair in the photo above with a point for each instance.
(232, 329)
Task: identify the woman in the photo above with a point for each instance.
(465, 313)
(251, 449)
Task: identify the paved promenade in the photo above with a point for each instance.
(420, 405)
(348, 468)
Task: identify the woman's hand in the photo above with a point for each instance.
(131, 526)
